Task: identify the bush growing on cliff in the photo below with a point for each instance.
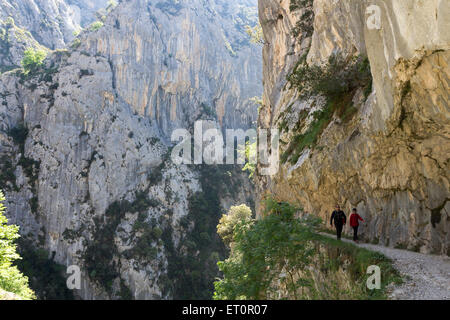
(47, 277)
(337, 81)
(298, 4)
(33, 59)
(11, 279)
(255, 33)
(96, 25)
(337, 77)
(249, 152)
(261, 248)
(228, 222)
(305, 23)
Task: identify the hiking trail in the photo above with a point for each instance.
(425, 277)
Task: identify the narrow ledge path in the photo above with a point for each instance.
(426, 277)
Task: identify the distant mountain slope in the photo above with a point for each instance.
(85, 146)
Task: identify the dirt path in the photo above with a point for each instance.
(426, 277)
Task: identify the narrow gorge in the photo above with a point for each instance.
(92, 92)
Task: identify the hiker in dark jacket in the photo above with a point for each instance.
(354, 223)
(339, 219)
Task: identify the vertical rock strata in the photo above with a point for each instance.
(85, 144)
(390, 158)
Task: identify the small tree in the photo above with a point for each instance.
(11, 279)
(337, 81)
(255, 33)
(33, 59)
(262, 249)
(236, 214)
(96, 25)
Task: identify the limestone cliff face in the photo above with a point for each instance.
(85, 141)
(390, 160)
(51, 22)
(41, 23)
(173, 60)
(14, 40)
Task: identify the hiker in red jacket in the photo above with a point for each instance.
(354, 223)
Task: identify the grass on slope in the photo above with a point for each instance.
(361, 259)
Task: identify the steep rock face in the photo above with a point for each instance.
(84, 10)
(13, 42)
(40, 23)
(172, 60)
(390, 159)
(85, 144)
(49, 21)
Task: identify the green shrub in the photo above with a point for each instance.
(261, 248)
(11, 279)
(332, 80)
(299, 4)
(19, 134)
(208, 111)
(157, 232)
(249, 152)
(75, 43)
(228, 222)
(255, 33)
(306, 21)
(7, 173)
(33, 59)
(96, 25)
(299, 142)
(337, 81)
(125, 292)
(111, 4)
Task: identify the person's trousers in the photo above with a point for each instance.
(338, 230)
(355, 233)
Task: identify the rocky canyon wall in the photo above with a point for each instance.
(85, 146)
(41, 24)
(389, 157)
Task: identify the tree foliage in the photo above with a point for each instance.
(261, 249)
(96, 25)
(33, 59)
(337, 81)
(228, 222)
(255, 33)
(281, 256)
(250, 153)
(333, 79)
(11, 279)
